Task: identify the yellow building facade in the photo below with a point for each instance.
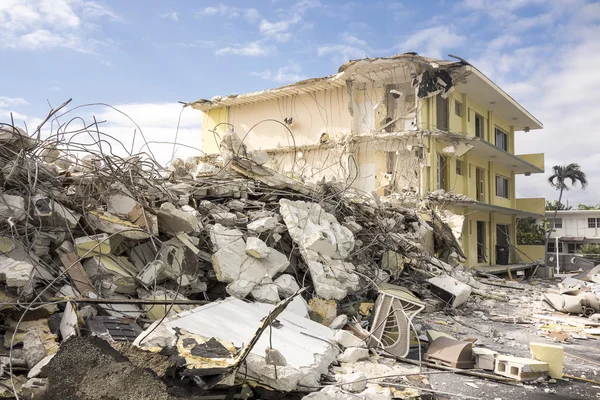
(402, 123)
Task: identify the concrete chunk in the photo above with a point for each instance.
(353, 354)
(53, 213)
(151, 272)
(173, 220)
(520, 369)
(339, 322)
(266, 293)
(12, 207)
(257, 248)
(450, 290)
(553, 354)
(34, 349)
(356, 382)
(286, 285)
(262, 225)
(16, 273)
(347, 339)
(93, 245)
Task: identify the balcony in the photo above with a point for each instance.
(526, 164)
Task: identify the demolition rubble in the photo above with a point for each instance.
(220, 278)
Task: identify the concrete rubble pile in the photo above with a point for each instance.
(210, 277)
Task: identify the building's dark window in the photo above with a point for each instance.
(501, 139)
(501, 186)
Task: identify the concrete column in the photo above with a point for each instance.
(492, 244)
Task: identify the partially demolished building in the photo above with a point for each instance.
(407, 125)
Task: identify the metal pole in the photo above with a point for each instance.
(557, 256)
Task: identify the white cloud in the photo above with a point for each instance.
(278, 30)
(287, 74)
(251, 49)
(50, 24)
(433, 42)
(250, 14)
(350, 48)
(173, 15)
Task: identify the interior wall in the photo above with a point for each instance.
(313, 114)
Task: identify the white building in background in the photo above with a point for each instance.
(573, 228)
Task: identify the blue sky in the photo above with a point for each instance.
(144, 56)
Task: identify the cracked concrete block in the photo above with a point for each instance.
(353, 354)
(16, 273)
(93, 245)
(392, 261)
(223, 217)
(322, 311)
(274, 357)
(356, 382)
(222, 237)
(53, 213)
(323, 242)
(450, 290)
(298, 306)
(266, 293)
(262, 225)
(113, 270)
(173, 220)
(151, 272)
(553, 354)
(257, 248)
(334, 280)
(286, 285)
(520, 369)
(12, 207)
(34, 349)
(339, 322)
(229, 260)
(347, 339)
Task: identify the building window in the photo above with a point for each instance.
(573, 247)
(556, 223)
(443, 113)
(441, 172)
(552, 247)
(501, 186)
(501, 139)
(480, 182)
(592, 222)
(479, 126)
(459, 167)
(458, 108)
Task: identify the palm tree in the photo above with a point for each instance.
(558, 180)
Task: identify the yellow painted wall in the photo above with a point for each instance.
(531, 204)
(210, 119)
(536, 159)
(313, 114)
(531, 252)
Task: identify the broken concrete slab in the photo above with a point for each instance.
(286, 285)
(392, 262)
(322, 311)
(115, 270)
(151, 272)
(339, 322)
(257, 248)
(93, 245)
(266, 293)
(334, 279)
(235, 321)
(262, 225)
(52, 213)
(347, 339)
(12, 207)
(34, 349)
(17, 274)
(172, 220)
(450, 290)
(353, 354)
(356, 382)
(484, 358)
(553, 354)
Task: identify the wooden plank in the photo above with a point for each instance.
(77, 273)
